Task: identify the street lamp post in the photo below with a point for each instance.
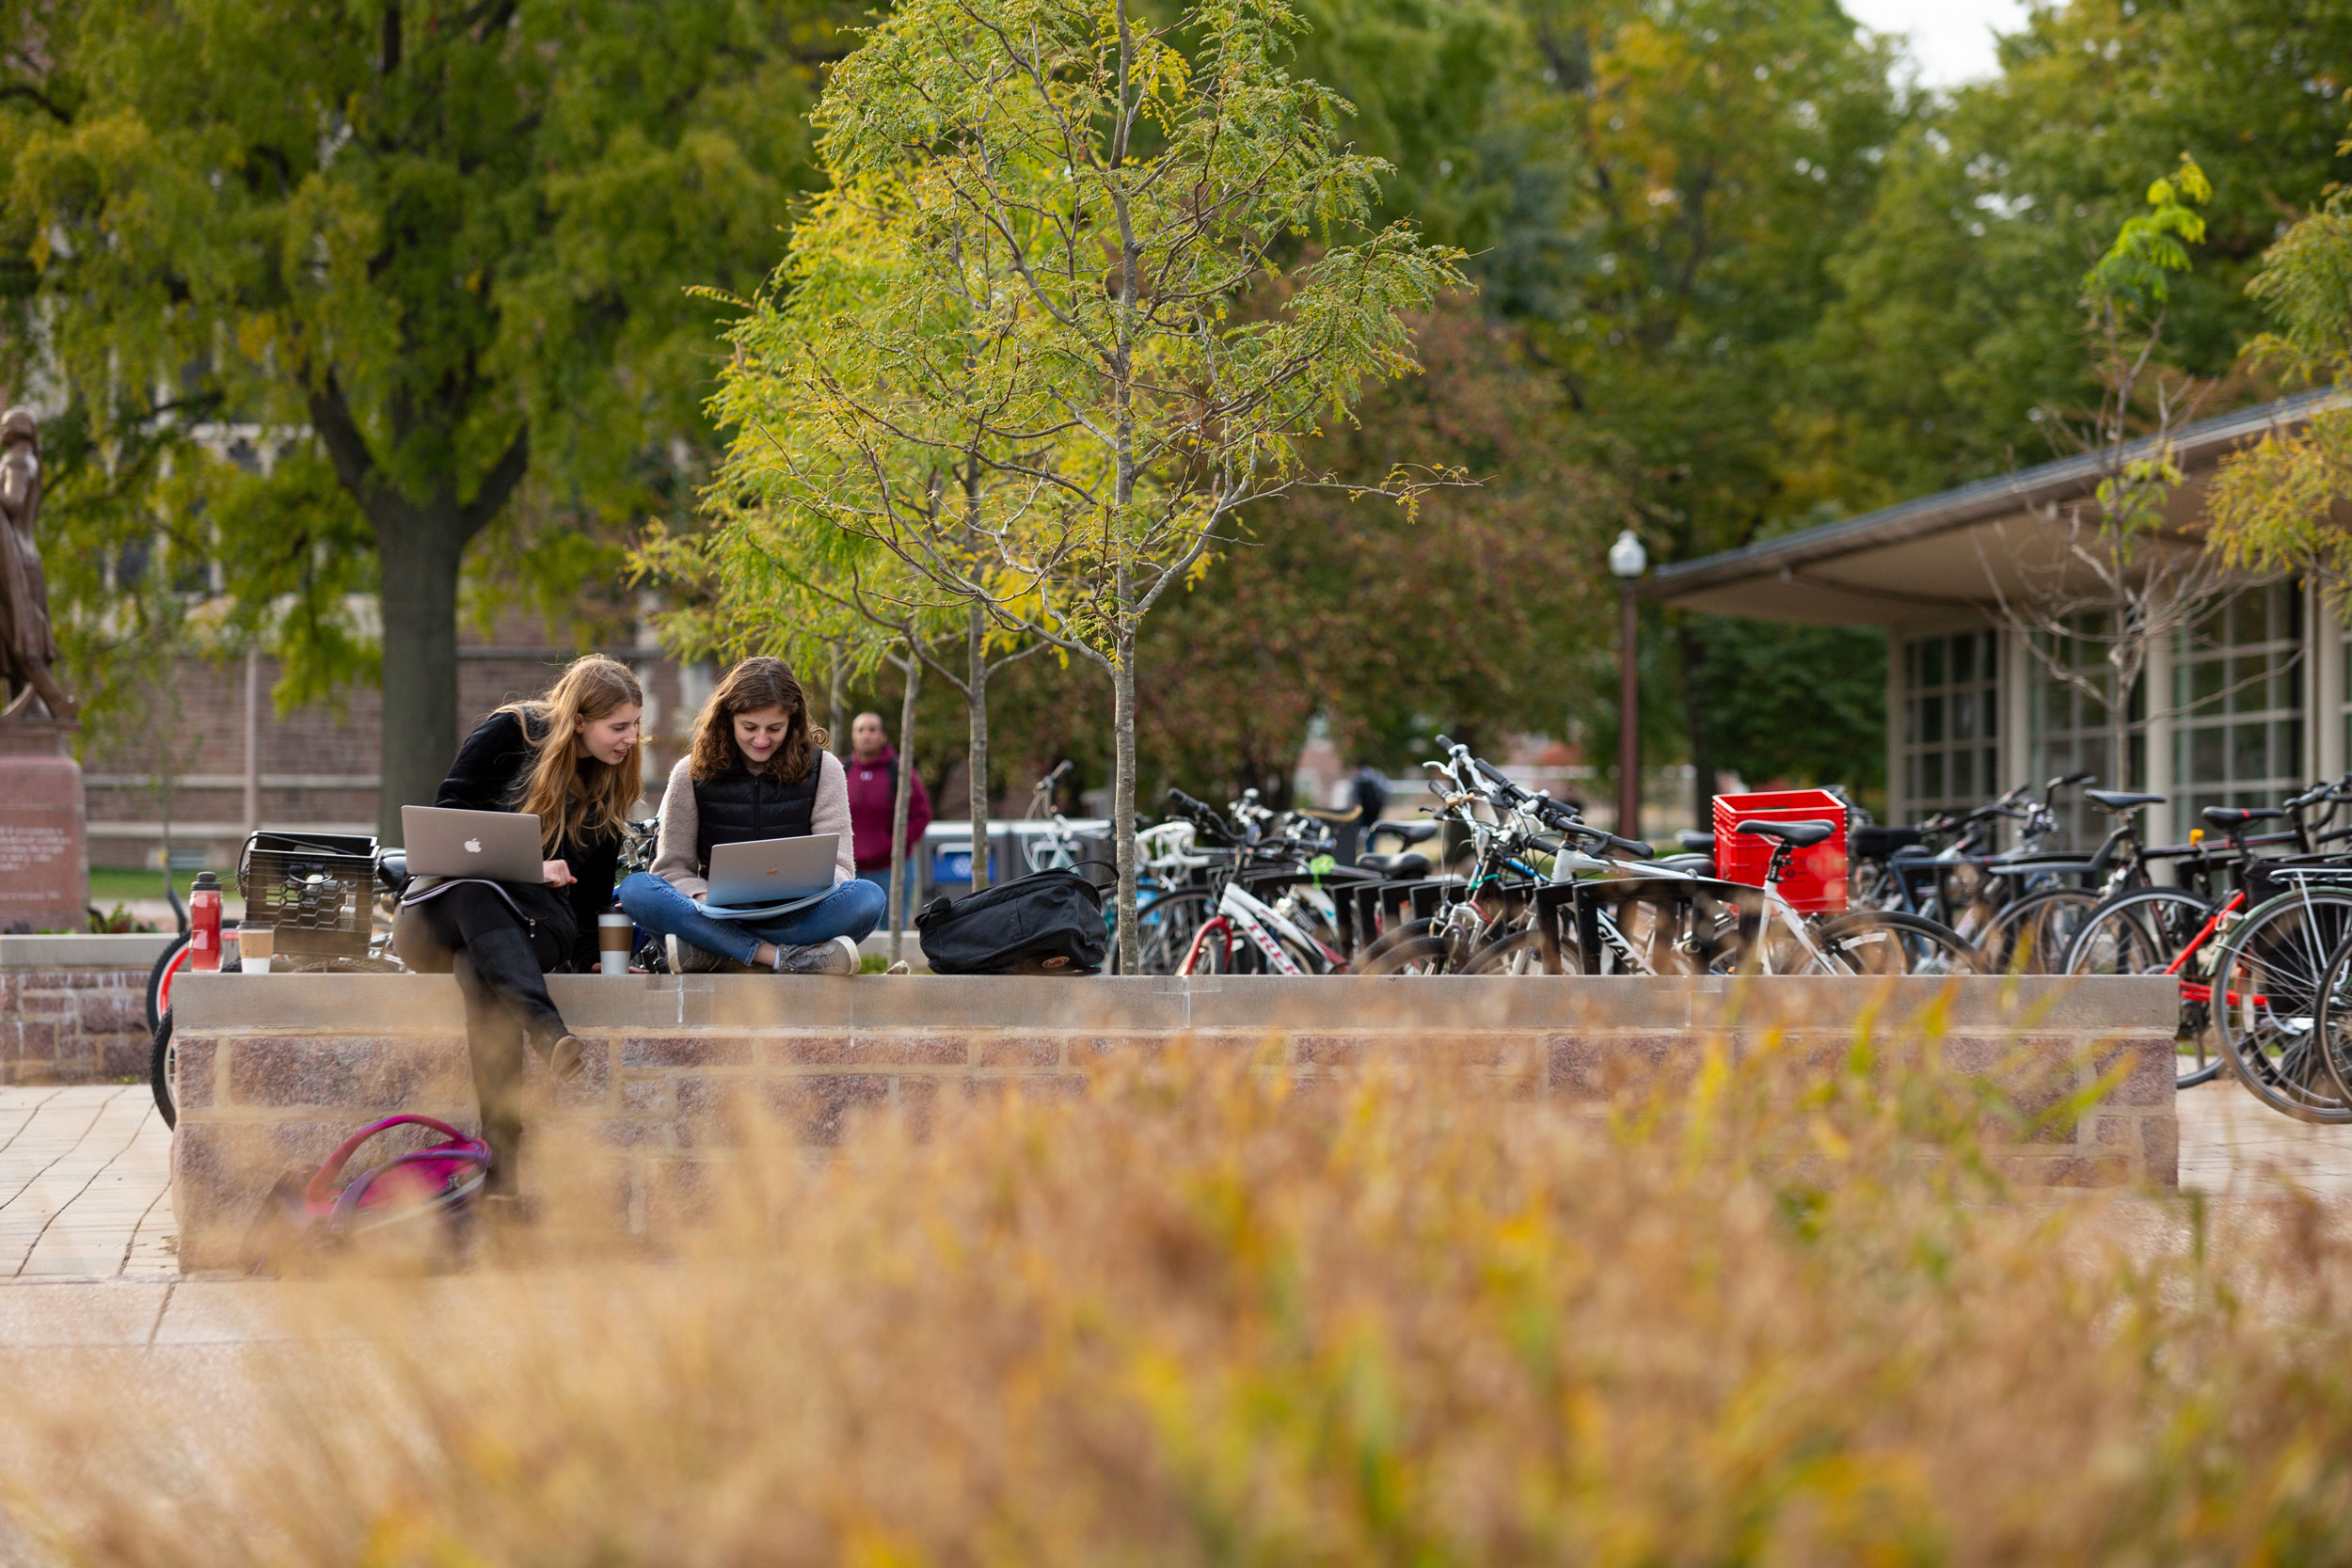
(1627, 560)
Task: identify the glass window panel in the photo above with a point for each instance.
(1932, 776)
(1963, 715)
(2250, 751)
(1931, 662)
(1931, 719)
(1964, 659)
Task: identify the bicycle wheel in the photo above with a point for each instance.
(160, 1066)
(1529, 950)
(2335, 1019)
(1423, 954)
(2143, 933)
(2267, 991)
(1889, 941)
(1165, 926)
(2033, 935)
(168, 964)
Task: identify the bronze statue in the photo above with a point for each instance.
(27, 650)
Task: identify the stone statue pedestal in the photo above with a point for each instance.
(45, 846)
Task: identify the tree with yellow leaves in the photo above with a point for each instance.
(1015, 346)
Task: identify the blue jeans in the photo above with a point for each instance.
(850, 909)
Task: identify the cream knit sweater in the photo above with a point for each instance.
(673, 849)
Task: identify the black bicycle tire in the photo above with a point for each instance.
(2078, 953)
(159, 1065)
(155, 981)
(2005, 921)
(1389, 963)
(1832, 931)
(2322, 1025)
(1490, 956)
(1403, 930)
(2256, 919)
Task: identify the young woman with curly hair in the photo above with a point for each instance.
(759, 770)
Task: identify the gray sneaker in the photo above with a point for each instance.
(837, 956)
(687, 958)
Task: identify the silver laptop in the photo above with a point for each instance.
(502, 846)
(772, 871)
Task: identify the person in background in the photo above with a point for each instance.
(1372, 799)
(873, 795)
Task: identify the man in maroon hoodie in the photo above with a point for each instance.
(873, 795)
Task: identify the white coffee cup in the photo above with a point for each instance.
(616, 934)
(255, 946)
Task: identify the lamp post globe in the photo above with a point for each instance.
(1627, 560)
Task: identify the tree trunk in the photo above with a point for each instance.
(1694, 715)
(897, 916)
(975, 762)
(837, 697)
(1123, 802)
(421, 560)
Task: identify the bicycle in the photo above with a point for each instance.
(2144, 929)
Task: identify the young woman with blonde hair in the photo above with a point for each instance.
(759, 770)
(568, 758)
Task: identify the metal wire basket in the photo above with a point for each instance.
(318, 890)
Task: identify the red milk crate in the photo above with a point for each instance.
(1816, 883)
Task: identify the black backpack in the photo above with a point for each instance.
(1049, 922)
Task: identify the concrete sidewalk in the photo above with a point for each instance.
(85, 1184)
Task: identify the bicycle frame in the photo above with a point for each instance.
(1254, 917)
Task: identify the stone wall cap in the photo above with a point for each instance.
(128, 950)
(430, 1002)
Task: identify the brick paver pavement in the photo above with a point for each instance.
(85, 1184)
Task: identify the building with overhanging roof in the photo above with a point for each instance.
(2238, 710)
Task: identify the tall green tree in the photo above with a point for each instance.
(1724, 148)
(1084, 199)
(432, 257)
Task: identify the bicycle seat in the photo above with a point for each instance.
(1876, 843)
(1797, 835)
(2237, 816)
(391, 870)
(1697, 865)
(1695, 842)
(1412, 863)
(2120, 800)
(1412, 832)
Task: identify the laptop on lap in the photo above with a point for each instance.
(502, 846)
(769, 872)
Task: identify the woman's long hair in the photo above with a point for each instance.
(575, 797)
(751, 686)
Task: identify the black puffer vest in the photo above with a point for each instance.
(740, 806)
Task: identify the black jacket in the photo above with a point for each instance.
(491, 771)
(743, 807)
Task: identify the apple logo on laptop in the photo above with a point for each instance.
(473, 847)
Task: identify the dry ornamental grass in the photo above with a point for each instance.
(1203, 1313)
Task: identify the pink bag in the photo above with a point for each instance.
(426, 1196)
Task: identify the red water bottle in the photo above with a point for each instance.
(205, 922)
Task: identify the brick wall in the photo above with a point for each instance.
(324, 758)
(73, 1009)
(273, 1072)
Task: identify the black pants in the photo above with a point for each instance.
(501, 961)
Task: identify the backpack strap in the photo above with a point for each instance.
(476, 1152)
(321, 1185)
